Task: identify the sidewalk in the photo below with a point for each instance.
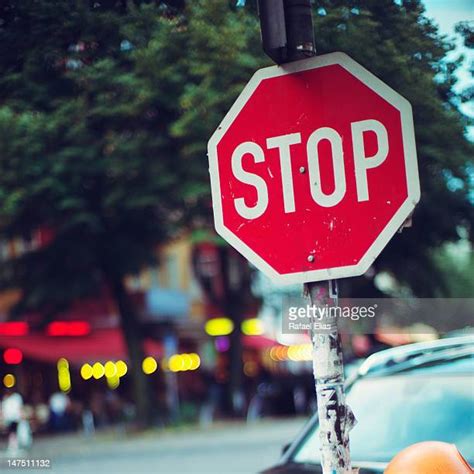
(225, 447)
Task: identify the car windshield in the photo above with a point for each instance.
(397, 411)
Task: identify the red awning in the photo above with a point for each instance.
(100, 345)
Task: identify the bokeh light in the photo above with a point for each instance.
(110, 369)
(121, 368)
(98, 370)
(9, 380)
(12, 356)
(113, 382)
(63, 363)
(64, 376)
(175, 363)
(295, 353)
(183, 362)
(219, 327)
(252, 327)
(86, 371)
(187, 362)
(149, 365)
(222, 343)
(195, 361)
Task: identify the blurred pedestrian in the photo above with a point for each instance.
(58, 405)
(12, 406)
(24, 434)
(88, 425)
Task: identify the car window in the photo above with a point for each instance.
(397, 411)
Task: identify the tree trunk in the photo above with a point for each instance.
(236, 392)
(134, 341)
(235, 288)
(228, 287)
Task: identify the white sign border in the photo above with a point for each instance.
(411, 167)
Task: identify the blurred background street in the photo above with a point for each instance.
(224, 448)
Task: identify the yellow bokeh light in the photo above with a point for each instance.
(307, 352)
(98, 370)
(64, 376)
(219, 327)
(149, 365)
(110, 369)
(121, 368)
(64, 380)
(182, 362)
(187, 362)
(176, 363)
(294, 353)
(113, 382)
(63, 363)
(252, 327)
(9, 380)
(86, 371)
(195, 361)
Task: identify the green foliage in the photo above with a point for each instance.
(456, 261)
(85, 148)
(221, 50)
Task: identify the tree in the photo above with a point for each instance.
(98, 140)
(87, 96)
(456, 261)
(226, 278)
(223, 50)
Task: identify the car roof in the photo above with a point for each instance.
(409, 357)
(396, 360)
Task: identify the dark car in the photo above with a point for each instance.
(400, 396)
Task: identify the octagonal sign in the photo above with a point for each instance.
(313, 169)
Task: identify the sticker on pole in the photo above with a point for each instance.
(314, 169)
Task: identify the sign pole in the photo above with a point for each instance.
(288, 35)
(335, 417)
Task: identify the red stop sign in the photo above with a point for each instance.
(313, 169)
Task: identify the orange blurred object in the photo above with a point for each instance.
(429, 457)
